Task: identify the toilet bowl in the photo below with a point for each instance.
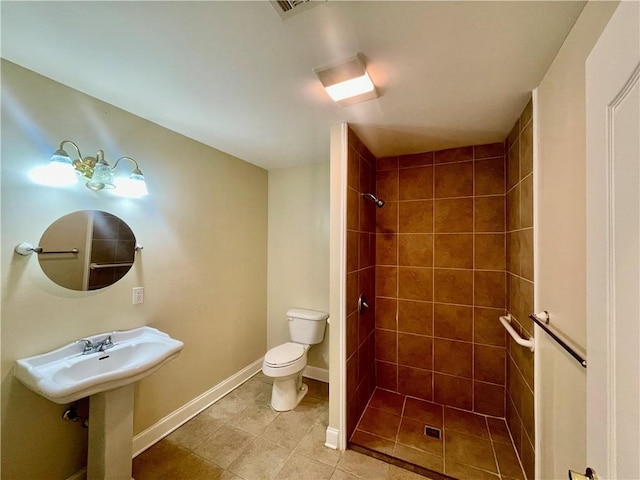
(285, 363)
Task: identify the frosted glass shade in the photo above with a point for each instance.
(102, 177)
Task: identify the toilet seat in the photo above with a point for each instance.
(284, 355)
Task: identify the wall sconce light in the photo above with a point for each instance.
(348, 82)
(63, 171)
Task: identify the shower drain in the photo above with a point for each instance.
(432, 432)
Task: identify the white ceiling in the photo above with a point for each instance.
(234, 76)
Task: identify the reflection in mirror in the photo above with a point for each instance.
(105, 250)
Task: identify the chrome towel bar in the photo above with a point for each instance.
(506, 323)
(26, 248)
(542, 320)
(40, 251)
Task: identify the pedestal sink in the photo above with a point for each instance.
(106, 375)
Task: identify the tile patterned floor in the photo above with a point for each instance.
(241, 437)
(471, 446)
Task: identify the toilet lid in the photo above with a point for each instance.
(284, 354)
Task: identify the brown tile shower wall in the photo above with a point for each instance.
(520, 283)
(440, 277)
(112, 242)
(361, 250)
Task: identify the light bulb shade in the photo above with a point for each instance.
(60, 156)
(102, 177)
(132, 187)
(137, 184)
(58, 173)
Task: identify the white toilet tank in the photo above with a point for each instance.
(307, 326)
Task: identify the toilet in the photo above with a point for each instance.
(285, 363)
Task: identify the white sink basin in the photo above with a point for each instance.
(66, 375)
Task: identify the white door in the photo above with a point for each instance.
(613, 247)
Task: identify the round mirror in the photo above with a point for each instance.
(87, 250)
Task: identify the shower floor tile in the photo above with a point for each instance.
(471, 446)
(380, 422)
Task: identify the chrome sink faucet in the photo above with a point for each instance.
(101, 346)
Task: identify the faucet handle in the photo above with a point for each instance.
(87, 345)
(105, 343)
(362, 303)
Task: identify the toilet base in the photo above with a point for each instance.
(287, 393)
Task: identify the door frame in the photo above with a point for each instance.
(337, 429)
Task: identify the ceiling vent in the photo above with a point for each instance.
(289, 8)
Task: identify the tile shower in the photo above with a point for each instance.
(520, 285)
(447, 255)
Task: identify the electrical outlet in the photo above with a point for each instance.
(138, 295)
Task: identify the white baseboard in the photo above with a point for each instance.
(316, 373)
(332, 438)
(168, 424)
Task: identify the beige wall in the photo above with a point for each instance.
(298, 262)
(560, 247)
(204, 263)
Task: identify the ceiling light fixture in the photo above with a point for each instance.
(348, 82)
(100, 174)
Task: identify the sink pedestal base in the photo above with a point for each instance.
(111, 434)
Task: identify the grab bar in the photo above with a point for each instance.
(94, 266)
(543, 322)
(506, 323)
